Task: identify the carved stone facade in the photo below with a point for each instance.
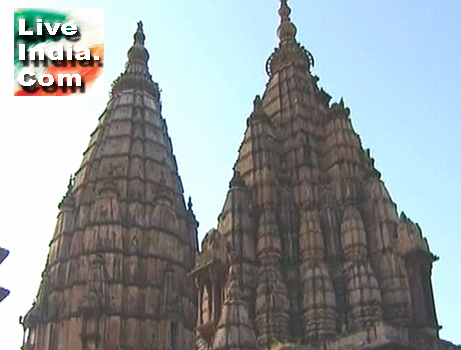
(309, 252)
(325, 260)
(116, 275)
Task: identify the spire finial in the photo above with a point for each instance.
(287, 30)
(71, 183)
(289, 50)
(285, 10)
(257, 104)
(139, 36)
(138, 51)
(136, 73)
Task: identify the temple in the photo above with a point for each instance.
(116, 274)
(325, 260)
(309, 252)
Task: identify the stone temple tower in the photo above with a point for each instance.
(324, 260)
(309, 252)
(116, 276)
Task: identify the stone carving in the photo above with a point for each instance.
(334, 267)
(116, 276)
(309, 252)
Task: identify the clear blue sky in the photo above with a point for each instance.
(396, 63)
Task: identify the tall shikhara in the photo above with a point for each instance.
(116, 275)
(324, 260)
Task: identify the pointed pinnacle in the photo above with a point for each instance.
(287, 30)
(257, 104)
(284, 11)
(136, 75)
(71, 182)
(138, 52)
(139, 36)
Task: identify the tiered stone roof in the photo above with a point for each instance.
(116, 274)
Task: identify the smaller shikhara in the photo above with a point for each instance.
(309, 252)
